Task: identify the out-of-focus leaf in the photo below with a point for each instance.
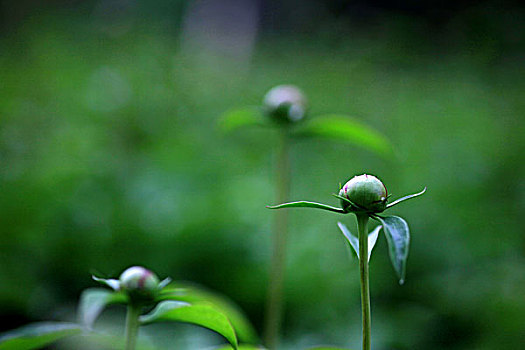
(93, 301)
(398, 239)
(405, 198)
(325, 348)
(241, 347)
(191, 294)
(354, 241)
(37, 335)
(111, 283)
(96, 340)
(347, 129)
(306, 204)
(240, 117)
(201, 314)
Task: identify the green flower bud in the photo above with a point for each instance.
(365, 191)
(139, 283)
(285, 104)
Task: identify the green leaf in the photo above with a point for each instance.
(354, 241)
(305, 204)
(93, 301)
(405, 198)
(111, 283)
(325, 348)
(37, 335)
(97, 340)
(191, 294)
(240, 117)
(347, 129)
(201, 314)
(241, 347)
(398, 239)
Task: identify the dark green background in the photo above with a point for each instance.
(110, 156)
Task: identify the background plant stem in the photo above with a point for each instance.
(362, 227)
(132, 326)
(275, 300)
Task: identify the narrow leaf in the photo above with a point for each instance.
(405, 198)
(111, 283)
(305, 204)
(37, 335)
(243, 328)
(354, 241)
(398, 239)
(240, 117)
(201, 314)
(347, 129)
(93, 301)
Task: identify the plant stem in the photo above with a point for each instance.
(132, 325)
(275, 301)
(362, 227)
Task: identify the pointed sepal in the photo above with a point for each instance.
(111, 283)
(402, 199)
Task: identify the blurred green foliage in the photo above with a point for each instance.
(110, 157)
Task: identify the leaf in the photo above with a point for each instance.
(305, 204)
(347, 129)
(96, 340)
(405, 198)
(398, 239)
(241, 347)
(37, 335)
(93, 301)
(326, 348)
(354, 241)
(240, 117)
(201, 314)
(111, 283)
(191, 294)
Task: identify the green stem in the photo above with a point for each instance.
(362, 227)
(275, 301)
(132, 325)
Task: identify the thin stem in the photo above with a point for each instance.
(362, 227)
(275, 300)
(132, 325)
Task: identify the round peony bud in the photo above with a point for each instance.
(139, 282)
(285, 104)
(365, 191)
